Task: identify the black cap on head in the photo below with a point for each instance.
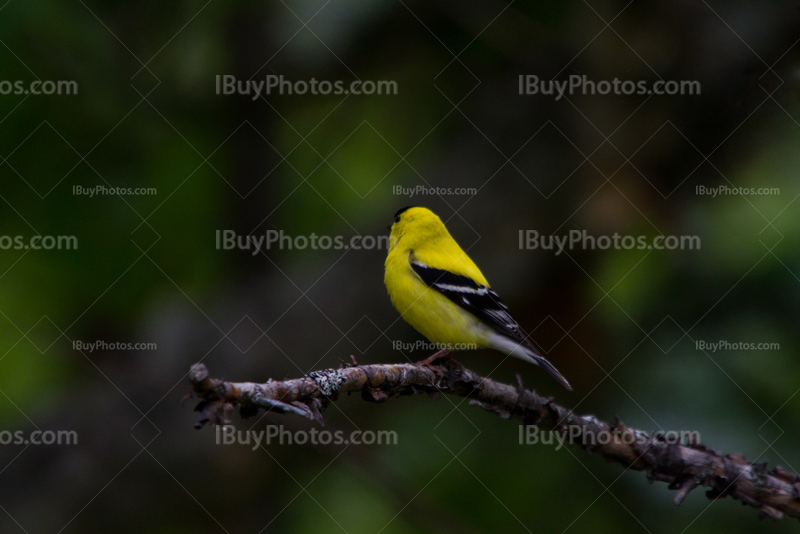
(401, 210)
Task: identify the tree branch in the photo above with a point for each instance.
(774, 493)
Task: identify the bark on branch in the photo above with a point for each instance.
(684, 467)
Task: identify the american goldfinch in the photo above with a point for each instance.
(439, 291)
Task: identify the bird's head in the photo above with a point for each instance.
(415, 226)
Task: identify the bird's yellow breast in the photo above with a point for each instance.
(428, 311)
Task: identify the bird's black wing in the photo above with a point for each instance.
(477, 299)
(485, 304)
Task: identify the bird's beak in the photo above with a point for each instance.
(389, 227)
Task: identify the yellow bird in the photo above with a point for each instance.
(440, 291)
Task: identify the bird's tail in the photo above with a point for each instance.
(524, 352)
(550, 368)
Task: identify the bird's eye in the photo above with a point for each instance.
(397, 219)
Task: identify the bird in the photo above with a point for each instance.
(440, 292)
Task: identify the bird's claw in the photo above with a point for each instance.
(429, 362)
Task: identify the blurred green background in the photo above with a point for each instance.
(622, 325)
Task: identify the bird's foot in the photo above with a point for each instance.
(443, 353)
(429, 362)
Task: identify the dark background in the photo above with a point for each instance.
(622, 325)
